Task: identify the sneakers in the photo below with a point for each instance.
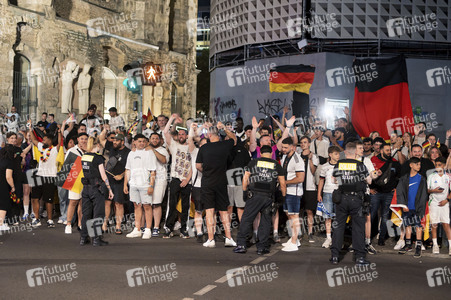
(155, 232)
(405, 249)
(240, 249)
(435, 249)
(276, 238)
(65, 223)
(229, 242)
(290, 247)
(399, 244)
(350, 249)
(298, 243)
(200, 238)
(147, 234)
(209, 244)
(135, 233)
(4, 227)
(310, 238)
(35, 223)
(60, 221)
(24, 217)
(417, 252)
(327, 243)
(370, 249)
(168, 234)
(177, 225)
(184, 234)
(50, 224)
(68, 229)
(423, 248)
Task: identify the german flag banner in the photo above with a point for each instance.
(74, 174)
(291, 78)
(396, 209)
(381, 97)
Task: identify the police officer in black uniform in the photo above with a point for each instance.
(259, 185)
(352, 177)
(94, 182)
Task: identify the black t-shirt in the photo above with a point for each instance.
(264, 173)
(426, 165)
(117, 161)
(240, 156)
(351, 175)
(90, 163)
(213, 157)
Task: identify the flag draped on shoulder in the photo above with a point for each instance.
(381, 97)
(396, 209)
(291, 78)
(71, 173)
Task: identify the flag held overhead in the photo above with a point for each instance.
(291, 78)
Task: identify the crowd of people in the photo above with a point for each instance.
(150, 180)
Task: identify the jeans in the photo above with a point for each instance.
(63, 196)
(382, 200)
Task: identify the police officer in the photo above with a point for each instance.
(259, 185)
(352, 177)
(93, 200)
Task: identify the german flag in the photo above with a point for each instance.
(72, 173)
(291, 78)
(396, 209)
(381, 97)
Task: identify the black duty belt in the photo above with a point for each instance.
(267, 194)
(360, 193)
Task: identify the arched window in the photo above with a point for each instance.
(24, 86)
(110, 100)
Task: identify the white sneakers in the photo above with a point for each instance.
(135, 233)
(147, 234)
(4, 227)
(399, 244)
(229, 242)
(298, 243)
(290, 247)
(327, 243)
(435, 249)
(210, 244)
(68, 229)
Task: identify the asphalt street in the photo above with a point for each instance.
(45, 263)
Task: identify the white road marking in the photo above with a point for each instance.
(205, 290)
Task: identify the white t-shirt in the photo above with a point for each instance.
(140, 163)
(326, 172)
(322, 147)
(181, 160)
(435, 181)
(75, 150)
(309, 177)
(116, 122)
(162, 172)
(296, 164)
(49, 167)
(195, 171)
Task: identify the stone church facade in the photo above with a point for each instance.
(46, 44)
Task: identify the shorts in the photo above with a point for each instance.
(74, 196)
(215, 197)
(309, 200)
(292, 204)
(439, 214)
(46, 190)
(196, 194)
(158, 192)
(235, 196)
(139, 195)
(410, 218)
(329, 205)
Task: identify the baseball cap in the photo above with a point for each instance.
(119, 136)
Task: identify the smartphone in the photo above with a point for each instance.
(441, 189)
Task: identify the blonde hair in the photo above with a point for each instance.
(92, 142)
